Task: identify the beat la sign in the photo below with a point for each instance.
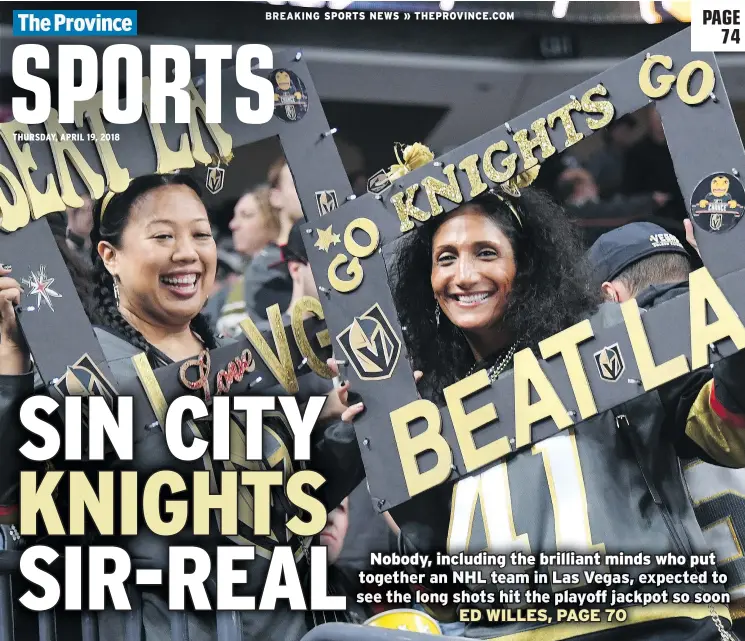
(409, 444)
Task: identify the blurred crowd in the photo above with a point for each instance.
(629, 178)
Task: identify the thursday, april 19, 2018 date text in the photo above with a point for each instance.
(66, 137)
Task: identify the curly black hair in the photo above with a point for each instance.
(102, 308)
(550, 292)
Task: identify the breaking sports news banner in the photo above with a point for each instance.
(159, 479)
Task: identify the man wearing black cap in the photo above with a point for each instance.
(643, 261)
(294, 259)
(367, 530)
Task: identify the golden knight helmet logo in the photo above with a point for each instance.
(371, 345)
(609, 362)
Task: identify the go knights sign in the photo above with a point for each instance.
(409, 444)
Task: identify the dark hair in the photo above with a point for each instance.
(549, 292)
(655, 270)
(102, 309)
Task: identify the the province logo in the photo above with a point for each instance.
(371, 345)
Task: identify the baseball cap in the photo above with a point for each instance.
(615, 250)
(294, 249)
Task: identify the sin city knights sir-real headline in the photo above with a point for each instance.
(116, 503)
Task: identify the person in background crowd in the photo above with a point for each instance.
(607, 164)
(577, 190)
(644, 262)
(284, 198)
(79, 225)
(649, 169)
(639, 260)
(265, 284)
(294, 261)
(342, 580)
(255, 223)
(335, 532)
(255, 227)
(154, 261)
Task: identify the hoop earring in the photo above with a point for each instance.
(437, 315)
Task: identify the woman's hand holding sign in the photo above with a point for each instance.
(339, 398)
(14, 357)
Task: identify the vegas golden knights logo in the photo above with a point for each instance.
(326, 201)
(371, 345)
(378, 182)
(215, 179)
(85, 379)
(610, 363)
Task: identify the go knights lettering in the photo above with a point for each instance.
(537, 137)
(526, 144)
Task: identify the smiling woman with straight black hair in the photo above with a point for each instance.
(154, 263)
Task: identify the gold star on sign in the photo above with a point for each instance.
(326, 238)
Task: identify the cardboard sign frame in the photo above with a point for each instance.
(346, 255)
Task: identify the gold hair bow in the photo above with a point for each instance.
(512, 187)
(410, 157)
(525, 179)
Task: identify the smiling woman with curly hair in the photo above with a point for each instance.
(494, 276)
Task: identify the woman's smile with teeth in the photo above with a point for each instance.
(189, 279)
(471, 298)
